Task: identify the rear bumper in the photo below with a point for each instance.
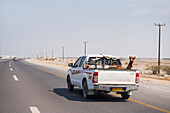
(125, 88)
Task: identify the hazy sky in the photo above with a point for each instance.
(117, 27)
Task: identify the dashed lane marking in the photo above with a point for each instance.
(112, 93)
(34, 110)
(11, 69)
(15, 78)
(9, 63)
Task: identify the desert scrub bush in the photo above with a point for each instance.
(166, 69)
(147, 68)
(154, 69)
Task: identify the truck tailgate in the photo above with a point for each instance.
(116, 77)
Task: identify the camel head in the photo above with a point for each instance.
(132, 58)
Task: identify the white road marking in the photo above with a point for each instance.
(34, 110)
(11, 69)
(9, 65)
(15, 78)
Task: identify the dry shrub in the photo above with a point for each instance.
(166, 69)
(154, 69)
(147, 68)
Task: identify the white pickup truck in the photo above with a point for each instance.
(93, 74)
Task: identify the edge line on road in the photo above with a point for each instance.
(143, 103)
(50, 72)
(45, 71)
(113, 94)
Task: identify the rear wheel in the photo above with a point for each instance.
(85, 90)
(69, 85)
(125, 95)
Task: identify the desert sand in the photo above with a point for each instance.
(141, 64)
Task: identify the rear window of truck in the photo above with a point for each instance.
(102, 61)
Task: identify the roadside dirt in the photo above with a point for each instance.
(140, 64)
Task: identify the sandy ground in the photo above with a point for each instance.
(143, 64)
(140, 64)
(58, 64)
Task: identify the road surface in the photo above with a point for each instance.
(28, 88)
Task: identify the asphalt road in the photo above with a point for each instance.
(28, 88)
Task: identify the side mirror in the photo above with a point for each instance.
(70, 64)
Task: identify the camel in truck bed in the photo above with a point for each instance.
(115, 65)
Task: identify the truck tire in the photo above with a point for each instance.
(125, 95)
(69, 85)
(85, 90)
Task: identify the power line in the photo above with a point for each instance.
(159, 43)
(123, 35)
(119, 36)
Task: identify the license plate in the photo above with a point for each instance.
(117, 89)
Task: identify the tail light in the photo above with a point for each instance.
(137, 78)
(95, 77)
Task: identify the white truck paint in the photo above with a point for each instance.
(92, 74)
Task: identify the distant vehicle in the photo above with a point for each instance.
(15, 59)
(98, 73)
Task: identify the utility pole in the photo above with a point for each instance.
(46, 55)
(52, 54)
(63, 53)
(85, 47)
(42, 55)
(0, 49)
(159, 43)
